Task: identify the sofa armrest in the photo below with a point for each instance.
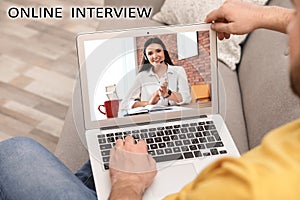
(71, 148)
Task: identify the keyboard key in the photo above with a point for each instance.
(169, 127)
(217, 136)
(214, 144)
(105, 153)
(195, 141)
(168, 132)
(188, 155)
(136, 136)
(193, 147)
(159, 151)
(135, 131)
(176, 131)
(185, 125)
(174, 137)
(152, 134)
(152, 129)
(149, 140)
(201, 123)
(209, 127)
(144, 135)
(206, 154)
(110, 140)
(160, 128)
(109, 135)
(101, 136)
(223, 152)
(177, 126)
(210, 139)
(192, 129)
(190, 135)
(166, 138)
(158, 139)
(201, 146)
(126, 133)
(214, 152)
(170, 144)
(206, 133)
(160, 133)
(184, 130)
(144, 130)
(168, 151)
(105, 146)
(182, 136)
(176, 149)
(106, 166)
(151, 152)
(105, 159)
(184, 148)
(118, 134)
(209, 122)
(162, 145)
(198, 134)
(170, 157)
(178, 143)
(186, 142)
(200, 128)
(193, 124)
(202, 140)
(101, 140)
(197, 153)
(153, 146)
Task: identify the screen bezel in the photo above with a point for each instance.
(138, 32)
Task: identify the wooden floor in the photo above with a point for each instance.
(38, 66)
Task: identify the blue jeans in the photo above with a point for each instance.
(28, 171)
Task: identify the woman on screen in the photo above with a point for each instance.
(158, 81)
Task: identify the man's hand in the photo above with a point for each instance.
(234, 17)
(237, 17)
(130, 185)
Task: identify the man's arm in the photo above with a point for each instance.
(130, 183)
(236, 17)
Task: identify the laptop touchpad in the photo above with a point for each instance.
(172, 179)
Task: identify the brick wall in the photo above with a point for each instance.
(197, 67)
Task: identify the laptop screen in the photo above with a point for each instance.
(148, 72)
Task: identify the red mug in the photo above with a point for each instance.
(111, 108)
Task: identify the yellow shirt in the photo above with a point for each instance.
(270, 171)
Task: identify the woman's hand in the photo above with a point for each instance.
(163, 89)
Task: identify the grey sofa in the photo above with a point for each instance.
(254, 99)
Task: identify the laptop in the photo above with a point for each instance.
(183, 138)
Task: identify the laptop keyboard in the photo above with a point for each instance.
(171, 142)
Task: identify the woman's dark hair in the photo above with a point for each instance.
(146, 66)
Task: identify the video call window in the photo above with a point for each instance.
(115, 80)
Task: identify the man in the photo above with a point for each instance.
(270, 171)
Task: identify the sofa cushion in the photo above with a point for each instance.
(268, 101)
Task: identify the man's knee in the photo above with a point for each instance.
(18, 145)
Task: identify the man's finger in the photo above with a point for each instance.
(129, 140)
(142, 144)
(221, 27)
(119, 143)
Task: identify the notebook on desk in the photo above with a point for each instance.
(182, 141)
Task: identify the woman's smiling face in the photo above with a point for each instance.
(155, 54)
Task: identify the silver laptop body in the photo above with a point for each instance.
(197, 136)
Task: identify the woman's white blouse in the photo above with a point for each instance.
(147, 82)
